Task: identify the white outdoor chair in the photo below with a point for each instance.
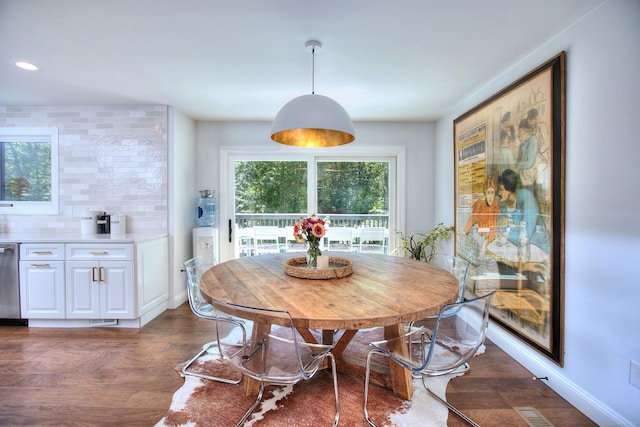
(340, 239)
(245, 238)
(266, 239)
(372, 239)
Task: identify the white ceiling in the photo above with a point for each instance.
(244, 59)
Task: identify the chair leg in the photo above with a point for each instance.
(366, 389)
(186, 366)
(449, 405)
(253, 407)
(334, 373)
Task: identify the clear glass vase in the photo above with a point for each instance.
(313, 251)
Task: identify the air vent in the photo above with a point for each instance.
(104, 322)
(532, 417)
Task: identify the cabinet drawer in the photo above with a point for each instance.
(83, 251)
(42, 251)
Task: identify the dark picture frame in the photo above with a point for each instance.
(509, 155)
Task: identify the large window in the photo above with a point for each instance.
(267, 196)
(28, 170)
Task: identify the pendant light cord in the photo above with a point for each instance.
(313, 70)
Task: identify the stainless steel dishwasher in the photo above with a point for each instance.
(9, 284)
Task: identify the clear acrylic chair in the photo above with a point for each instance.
(457, 266)
(459, 331)
(195, 267)
(279, 357)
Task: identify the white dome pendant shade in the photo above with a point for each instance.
(312, 120)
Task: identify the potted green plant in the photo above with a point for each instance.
(421, 245)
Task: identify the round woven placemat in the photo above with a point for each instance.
(338, 267)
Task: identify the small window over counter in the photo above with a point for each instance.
(29, 170)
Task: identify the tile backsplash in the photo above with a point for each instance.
(110, 158)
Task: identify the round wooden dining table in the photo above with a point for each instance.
(383, 291)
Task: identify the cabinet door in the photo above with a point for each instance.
(83, 290)
(42, 290)
(117, 293)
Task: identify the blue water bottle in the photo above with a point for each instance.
(206, 209)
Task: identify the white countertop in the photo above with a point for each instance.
(59, 236)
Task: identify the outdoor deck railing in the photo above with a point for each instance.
(335, 220)
(247, 243)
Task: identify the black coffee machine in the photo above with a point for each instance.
(103, 223)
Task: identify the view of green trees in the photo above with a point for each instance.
(271, 187)
(25, 171)
(353, 188)
(281, 187)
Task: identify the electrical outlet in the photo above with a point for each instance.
(634, 373)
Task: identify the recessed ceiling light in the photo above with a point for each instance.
(26, 65)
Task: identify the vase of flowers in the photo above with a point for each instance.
(311, 230)
(313, 252)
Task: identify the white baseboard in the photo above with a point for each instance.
(179, 299)
(153, 313)
(539, 366)
(84, 323)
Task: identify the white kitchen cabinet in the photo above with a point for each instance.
(94, 281)
(100, 290)
(42, 290)
(152, 277)
(99, 282)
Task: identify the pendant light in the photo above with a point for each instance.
(312, 120)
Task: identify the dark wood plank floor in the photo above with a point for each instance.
(113, 377)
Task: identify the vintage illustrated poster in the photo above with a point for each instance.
(509, 195)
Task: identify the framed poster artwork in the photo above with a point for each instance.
(509, 204)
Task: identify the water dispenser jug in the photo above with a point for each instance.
(206, 209)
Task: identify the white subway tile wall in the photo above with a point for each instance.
(111, 158)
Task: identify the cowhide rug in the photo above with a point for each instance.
(205, 403)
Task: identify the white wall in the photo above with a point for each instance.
(602, 231)
(416, 138)
(182, 192)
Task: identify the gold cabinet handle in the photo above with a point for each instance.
(93, 274)
(99, 253)
(101, 278)
(43, 252)
(40, 265)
